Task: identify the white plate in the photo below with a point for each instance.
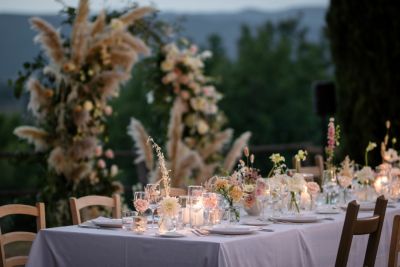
(296, 219)
(109, 223)
(254, 222)
(171, 235)
(232, 229)
(327, 211)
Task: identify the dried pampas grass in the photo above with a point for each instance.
(99, 24)
(49, 39)
(33, 135)
(136, 14)
(217, 144)
(57, 160)
(79, 33)
(236, 151)
(40, 98)
(174, 134)
(108, 83)
(82, 149)
(143, 148)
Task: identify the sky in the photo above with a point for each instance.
(180, 6)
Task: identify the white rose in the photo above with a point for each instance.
(202, 127)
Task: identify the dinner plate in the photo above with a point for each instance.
(109, 223)
(171, 235)
(296, 219)
(327, 210)
(255, 222)
(231, 229)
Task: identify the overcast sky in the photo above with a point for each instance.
(51, 6)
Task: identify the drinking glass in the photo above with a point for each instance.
(195, 204)
(262, 190)
(127, 219)
(154, 197)
(210, 203)
(184, 212)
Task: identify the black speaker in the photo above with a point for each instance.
(325, 98)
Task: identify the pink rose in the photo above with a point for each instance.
(109, 154)
(249, 200)
(313, 188)
(98, 151)
(185, 95)
(101, 164)
(141, 205)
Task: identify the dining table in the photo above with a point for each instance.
(279, 244)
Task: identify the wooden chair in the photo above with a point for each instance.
(353, 226)
(20, 236)
(76, 204)
(395, 243)
(315, 170)
(175, 192)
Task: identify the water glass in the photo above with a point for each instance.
(127, 219)
(154, 196)
(196, 205)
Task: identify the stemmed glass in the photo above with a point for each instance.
(195, 202)
(154, 195)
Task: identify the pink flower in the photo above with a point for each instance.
(331, 134)
(261, 186)
(98, 151)
(109, 154)
(197, 193)
(313, 188)
(141, 205)
(185, 95)
(210, 202)
(249, 200)
(101, 164)
(193, 49)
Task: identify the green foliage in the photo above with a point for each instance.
(365, 47)
(268, 88)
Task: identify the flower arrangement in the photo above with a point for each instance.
(162, 167)
(346, 173)
(389, 155)
(299, 157)
(333, 138)
(169, 206)
(279, 165)
(141, 205)
(365, 176)
(229, 188)
(195, 138)
(69, 99)
(296, 185)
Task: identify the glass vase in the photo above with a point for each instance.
(139, 224)
(233, 215)
(167, 224)
(294, 206)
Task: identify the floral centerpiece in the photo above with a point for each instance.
(230, 189)
(253, 184)
(69, 100)
(296, 184)
(169, 206)
(333, 137)
(366, 176)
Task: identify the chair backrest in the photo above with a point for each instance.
(14, 209)
(76, 204)
(316, 170)
(175, 192)
(353, 226)
(395, 243)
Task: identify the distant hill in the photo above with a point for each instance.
(16, 45)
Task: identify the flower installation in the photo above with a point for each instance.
(69, 101)
(195, 139)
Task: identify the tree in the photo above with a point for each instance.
(267, 89)
(365, 47)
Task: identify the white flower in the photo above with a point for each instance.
(169, 206)
(365, 175)
(370, 146)
(117, 24)
(248, 188)
(202, 127)
(344, 181)
(277, 158)
(113, 170)
(167, 65)
(206, 54)
(296, 183)
(88, 105)
(150, 97)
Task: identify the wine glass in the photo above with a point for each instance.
(195, 202)
(139, 195)
(154, 195)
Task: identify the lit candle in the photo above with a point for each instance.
(380, 182)
(305, 199)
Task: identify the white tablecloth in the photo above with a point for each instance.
(305, 245)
